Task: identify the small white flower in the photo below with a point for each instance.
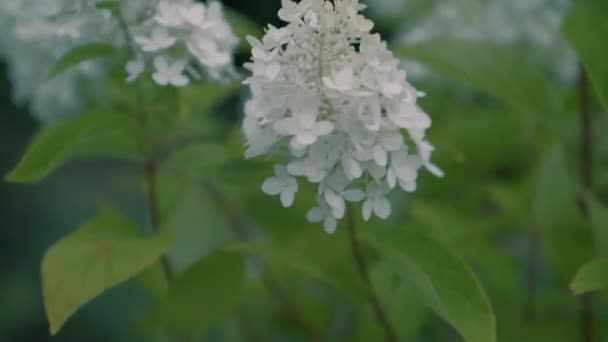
(282, 184)
(134, 68)
(322, 213)
(376, 202)
(170, 73)
(159, 39)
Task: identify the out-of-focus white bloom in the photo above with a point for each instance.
(187, 30)
(170, 72)
(536, 23)
(331, 94)
(33, 35)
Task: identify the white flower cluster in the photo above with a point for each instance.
(178, 32)
(536, 23)
(33, 35)
(331, 95)
(183, 39)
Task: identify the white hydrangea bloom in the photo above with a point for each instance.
(179, 40)
(33, 35)
(533, 22)
(177, 33)
(329, 92)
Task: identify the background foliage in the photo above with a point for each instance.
(499, 247)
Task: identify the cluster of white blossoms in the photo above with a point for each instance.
(535, 23)
(178, 33)
(330, 94)
(33, 35)
(181, 39)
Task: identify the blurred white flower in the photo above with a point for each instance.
(170, 72)
(187, 30)
(330, 93)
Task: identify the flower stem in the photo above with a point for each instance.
(240, 228)
(359, 258)
(153, 212)
(587, 307)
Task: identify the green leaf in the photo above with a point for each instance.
(591, 277)
(80, 54)
(586, 28)
(198, 159)
(203, 295)
(441, 280)
(599, 224)
(104, 252)
(274, 255)
(498, 70)
(557, 214)
(97, 134)
(243, 27)
(110, 5)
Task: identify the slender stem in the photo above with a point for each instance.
(531, 279)
(359, 258)
(239, 226)
(587, 307)
(149, 164)
(154, 217)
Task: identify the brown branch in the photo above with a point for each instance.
(359, 258)
(587, 307)
(239, 226)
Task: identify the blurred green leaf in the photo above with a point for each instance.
(442, 281)
(243, 27)
(198, 159)
(104, 252)
(203, 295)
(275, 255)
(80, 54)
(586, 28)
(96, 134)
(498, 70)
(110, 5)
(599, 224)
(555, 210)
(591, 277)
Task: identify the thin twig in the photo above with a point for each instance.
(239, 225)
(359, 258)
(587, 307)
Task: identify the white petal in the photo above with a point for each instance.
(315, 215)
(391, 178)
(380, 155)
(392, 141)
(287, 198)
(382, 207)
(330, 224)
(179, 80)
(367, 209)
(272, 71)
(273, 186)
(353, 195)
(160, 78)
(336, 203)
(323, 128)
(305, 138)
(434, 170)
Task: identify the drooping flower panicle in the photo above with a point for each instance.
(329, 93)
